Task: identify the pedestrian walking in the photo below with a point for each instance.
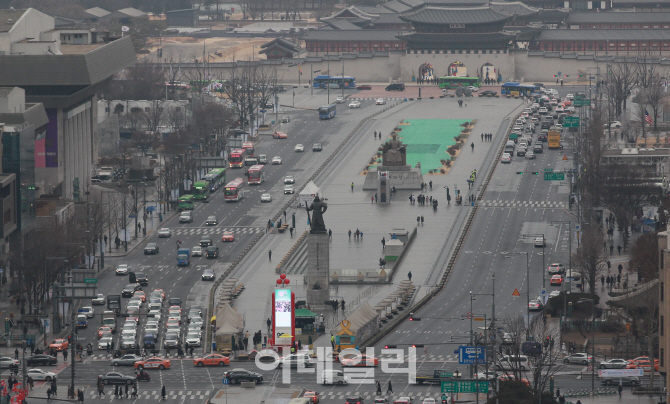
(126, 391)
(379, 388)
(472, 146)
(620, 268)
(389, 389)
(270, 255)
(116, 390)
(349, 234)
(65, 355)
(375, 134)
(609, 265)
(620, 390)
(611, 249)
(352, 187)
(163, 393)
(482, 137)
(380, 263)
(430, 184)
(49, 394)
(101, 390)
(54, 389)
(375, 197)
(332, 341)
(421, 220)
(383, 243)
(372, 200)
(618, 279)
(602, 280)
(31, 382)
(409, 276)
(330, 234)
(618, 249)
(269, 323)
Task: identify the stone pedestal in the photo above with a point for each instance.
(402, 178)
(318, 268)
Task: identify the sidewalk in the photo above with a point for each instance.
(349, 210)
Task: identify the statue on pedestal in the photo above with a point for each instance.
(394, 153)
(318, 208)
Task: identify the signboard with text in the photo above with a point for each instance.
(571, 122)
(620, 372)
(469, 355)
(464, 386)
(554, 176)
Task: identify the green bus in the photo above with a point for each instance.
(201, 190)
(185, 202)
(216, 177)
(453, 82)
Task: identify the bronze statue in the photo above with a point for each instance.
(316, 222)
(394, 153)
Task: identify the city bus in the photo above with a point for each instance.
(256, 174)
(324, 80)
(327, 111)
(453, 82)
(185, 202)
(216, 177)
(234, 190)
(236, 159)
(249, 147)
(201, 190)
(516, 89)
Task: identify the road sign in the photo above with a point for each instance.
(516, 293)
(620, 372)
(469, 316)
(135, 216)
(468, 355)
(90, 280)
(554, 176)
(565, 157)
(225, 381)
(571, 122)
(559, 73)
(592, 77)
(548, 170)
(464, 386)
(581, 103)
(590, 368)
(445, 375)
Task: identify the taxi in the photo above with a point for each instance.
(228, 236)
(59, 344)
(312, 395)
(153, 363)
(141, 295)
(363, 360)
(506, 377)
(212, 360)
(280, 135)
(102, 330)
(556, 280)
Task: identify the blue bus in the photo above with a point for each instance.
(327, 111)
(516, 89)
(324, 80)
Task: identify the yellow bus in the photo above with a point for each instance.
(554, 139)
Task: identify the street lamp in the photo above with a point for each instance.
(593, 340)
(508, 255)
(544, 242)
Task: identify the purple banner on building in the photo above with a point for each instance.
(46, 144)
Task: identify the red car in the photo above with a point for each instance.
(364, 87)
(59, 344)
(364, 361)
(228, 236)
(153, 363)
(504, 378)
(556, 280)
(280, 135)
(212, 360)
(312, 395)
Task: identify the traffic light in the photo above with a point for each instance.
(536, 173)
(69, 339)
(417, 345)
(554, 76)
(412, 318)
(546, 342)
(567, 75)
(520, 172)
(390, 346)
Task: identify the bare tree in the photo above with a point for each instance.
(620, 80)
(590, 258)
(644, 257)
(175, 117)
(154, 116)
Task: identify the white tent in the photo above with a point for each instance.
(308, 193)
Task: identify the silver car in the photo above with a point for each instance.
(126, 360)
(193, 339)
(613, 364)
(196, 251)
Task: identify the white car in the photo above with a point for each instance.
(102, 342)
(151, 329)
(473, 89)
(88, 311)
(554, 293)
(560, 109)
(506, 158)
(289, 189)
(569, 97)
(535, 305)
(164, 232)
(539, 242)
(355, 104)
(530, 155)
(556, 269)
(99, 300)
(199, 321)
(613, 124)
(39, 374)
(299, 148)
(266, 197)
(543, 111)
(196, 251)
(289, 179)
(340, 100)
(428, 400)
(380, 101)
(276, 160)
(122, 269)
(193, 339)
(490, 375)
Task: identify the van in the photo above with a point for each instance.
(509, 147)
(513, 362)
(332, 376)
(262, 159)
(149, 341)
(396, 87)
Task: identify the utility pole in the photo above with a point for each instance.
(343, 78)
(73, 332)
(125, 223)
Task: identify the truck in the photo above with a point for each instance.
(114, 303)
(183, 257)
(554, 139)
(438, 376)
(109, 319)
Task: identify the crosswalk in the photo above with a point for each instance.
(200, 395)
(420, 357)
(371, 395)
(498, 203)
(104, 356)
(188, 231)
(374, 98)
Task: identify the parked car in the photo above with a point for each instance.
(624, 380)
(581, 358)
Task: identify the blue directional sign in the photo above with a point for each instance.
(225, 381)
(469, 355)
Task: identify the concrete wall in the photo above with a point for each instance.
(31, 24)
(410, 63)
(108, 136)
(14, 102)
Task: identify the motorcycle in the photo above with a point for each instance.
(143, 377)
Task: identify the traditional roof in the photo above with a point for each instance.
(351, 35)
(353, 11)
(483, 37)
(97, 12)
(454, 15)
(132, 12)
(396, 6)
(9, 15)
(604, 35)
(516, 8)
(388, 18)
(617, 17)
(340, 23)
(377, 9)
(281, 43)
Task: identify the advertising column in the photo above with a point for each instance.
(283, 316)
